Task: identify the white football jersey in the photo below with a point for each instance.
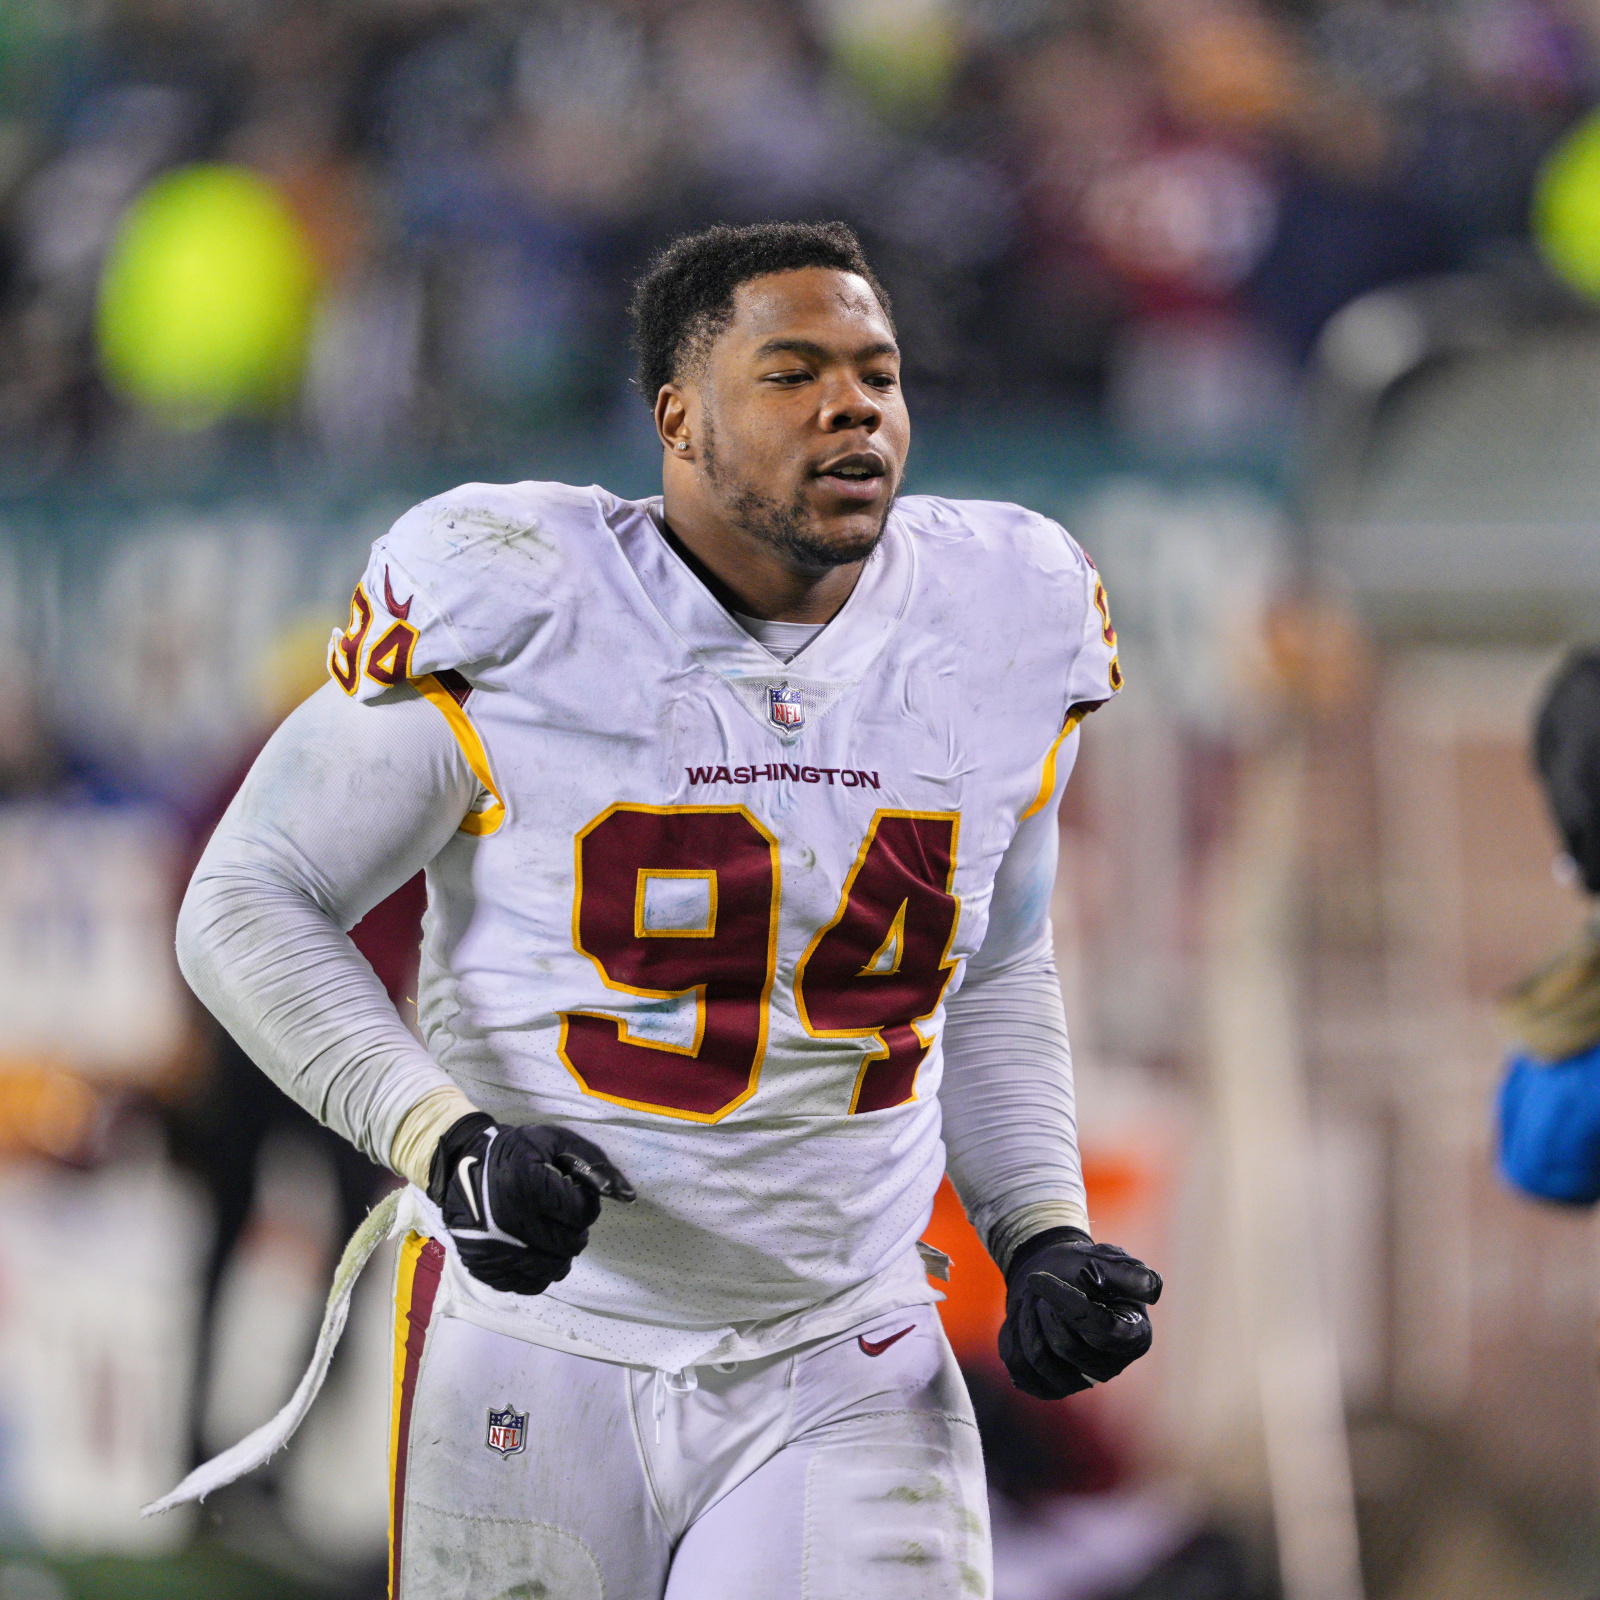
(711, 906)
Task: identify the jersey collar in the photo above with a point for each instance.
(840, 654)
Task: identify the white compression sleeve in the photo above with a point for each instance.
(1010, 1118)
(345, 804)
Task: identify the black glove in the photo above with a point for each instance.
(1074, 1312)
(519, 1201)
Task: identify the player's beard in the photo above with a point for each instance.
(788, 529)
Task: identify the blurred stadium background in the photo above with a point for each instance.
(1284, 308)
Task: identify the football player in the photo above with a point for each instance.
(738, 811)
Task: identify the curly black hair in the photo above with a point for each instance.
(685, 298)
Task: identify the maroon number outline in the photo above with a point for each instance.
(588, 1038)
(887, 1075)
(349, 643)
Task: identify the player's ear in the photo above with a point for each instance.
(672, 420)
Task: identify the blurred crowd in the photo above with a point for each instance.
(1143, 208)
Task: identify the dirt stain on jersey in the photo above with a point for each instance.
(478, 524)
(917, 1494)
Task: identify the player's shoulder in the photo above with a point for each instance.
(1006, 566)
(502, 526)
(1002, 547)
(473, 573)
(988, 528)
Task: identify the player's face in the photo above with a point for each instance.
(804, 428)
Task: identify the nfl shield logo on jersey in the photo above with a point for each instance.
(784, 707)
(508, 1430)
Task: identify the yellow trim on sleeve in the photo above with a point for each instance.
(475, 822)
(1047, 781)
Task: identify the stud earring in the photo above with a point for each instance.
(683, 444)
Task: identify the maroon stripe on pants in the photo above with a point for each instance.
(424, 1287)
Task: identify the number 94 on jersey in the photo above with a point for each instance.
(674, 901)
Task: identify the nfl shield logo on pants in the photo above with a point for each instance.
(784, 707)
(508, 1430)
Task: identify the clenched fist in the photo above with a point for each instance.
(1074, 1313)
(519, 1201)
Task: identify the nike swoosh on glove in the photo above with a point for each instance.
(519, 1201)
(1074, 1313)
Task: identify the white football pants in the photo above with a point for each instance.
(845, 1468)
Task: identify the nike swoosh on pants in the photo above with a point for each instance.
(876, 1347)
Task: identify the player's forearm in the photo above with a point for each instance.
(1010, 1117)
(344, 805)
(304, 1005)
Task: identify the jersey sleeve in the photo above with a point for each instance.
(395, 632)
(456, 588)
(341, 807)
(1094, 673)
(1035, 581)
(453, 590)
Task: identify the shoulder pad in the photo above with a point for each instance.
(1033, 563)
(460, 583)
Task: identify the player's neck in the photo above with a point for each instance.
(750, 577)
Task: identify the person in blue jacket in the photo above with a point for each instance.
(1549, 1102)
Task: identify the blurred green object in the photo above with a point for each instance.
(1566, 207)
(900, 54)
(205, 299)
